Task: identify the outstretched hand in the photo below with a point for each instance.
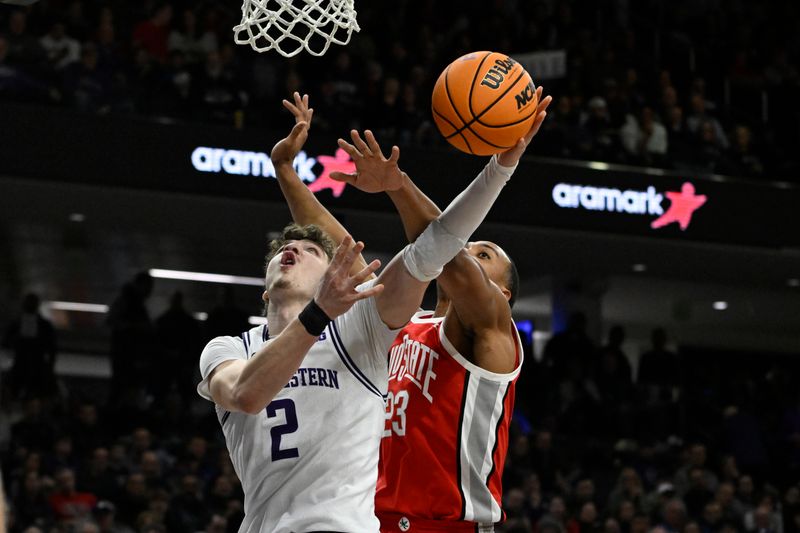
(374, 172)
(337, 291)
(511, 157)
(287, 149)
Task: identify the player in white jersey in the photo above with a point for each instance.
(301, 403)
(305, 461)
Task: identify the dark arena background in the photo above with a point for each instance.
(654, 222)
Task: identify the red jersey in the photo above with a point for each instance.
(446, 434)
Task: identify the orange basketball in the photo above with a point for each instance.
(484, 102)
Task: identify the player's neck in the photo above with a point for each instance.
(280, 313)
(442, 305)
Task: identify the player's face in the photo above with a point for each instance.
(298, 266)
(493, 260)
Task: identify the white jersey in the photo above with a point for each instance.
(309, 460)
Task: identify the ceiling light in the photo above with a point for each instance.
(204, 276)
(77, 306)
(77, 217)
(720, 306)
(639, 267)
(793, 282)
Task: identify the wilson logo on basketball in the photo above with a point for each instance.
(527, 96)
(495, 75)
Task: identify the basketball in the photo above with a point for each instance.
(483, 102)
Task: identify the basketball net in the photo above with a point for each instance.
(293, 26)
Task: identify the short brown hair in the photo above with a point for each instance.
(295, 232)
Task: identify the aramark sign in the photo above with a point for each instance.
(646, 202)
(243, 163)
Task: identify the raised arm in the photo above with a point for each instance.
(479, 316)
(248, 385)
(444, 236)
(376, 173)
(303, 204)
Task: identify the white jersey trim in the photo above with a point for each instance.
(475, 369)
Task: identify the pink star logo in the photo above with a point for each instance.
(340, 162)
(683, 206)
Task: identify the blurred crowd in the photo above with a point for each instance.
(705, 86)
(669, 440)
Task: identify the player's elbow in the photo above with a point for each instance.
(247, 400)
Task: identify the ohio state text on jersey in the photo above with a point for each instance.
(446, 432)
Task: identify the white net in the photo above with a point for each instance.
(289, 27)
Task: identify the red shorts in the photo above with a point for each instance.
(397, 523)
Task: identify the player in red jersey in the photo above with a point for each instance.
(452, 372)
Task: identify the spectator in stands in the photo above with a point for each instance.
(586, 520)
(105, 516)
(132, 337)
(626, 511)
(187, 510)
(741, 159)
(679, 139)
(711, 519)
(746, 493)
(659, 366)
(514, 506)
(97, 476)
(764, 518)
(109, 55)
(731, 508)
(62, 455)
(628, 490)
(151, 469)
(673, 516)
(12, 82)
(60, 49)
(791, 510)
(86, 84)
(709, 154)
(669, 101)
(226, 318)
(700, 117)
(85, 429)
(741, 436)
(32, 339)
(546, 461)
(697, 495)
(556, 514)
(29, 501)
(133, 500)
(569, 352)
(35, 430)
(67, 504)
(644, 138)
(193, 42)
(23, 48)
(613, 372)
(561, 133)
(603, 140)
(694, 467)
(179, 338)
(216, 89)
(152, 34)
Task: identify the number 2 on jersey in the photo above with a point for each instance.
(396, 405)
(287, 406)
